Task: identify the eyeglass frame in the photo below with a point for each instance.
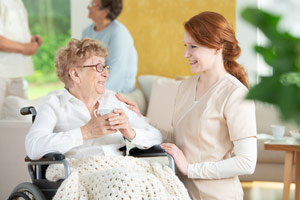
(99, 65)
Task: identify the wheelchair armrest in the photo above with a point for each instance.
(154, 151)
(29, 110)
(48, 157)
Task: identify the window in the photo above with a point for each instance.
(51, 20)
(248, 36)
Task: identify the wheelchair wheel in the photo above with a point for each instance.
(26, 191)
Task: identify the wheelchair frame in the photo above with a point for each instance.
(42, 189)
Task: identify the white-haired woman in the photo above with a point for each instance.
(68, 122)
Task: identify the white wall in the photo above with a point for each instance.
(248, 36)
(79, 19)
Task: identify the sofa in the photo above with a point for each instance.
(155, 97)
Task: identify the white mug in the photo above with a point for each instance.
(103, 111)
(278, 131)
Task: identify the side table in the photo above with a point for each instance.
(291, 148)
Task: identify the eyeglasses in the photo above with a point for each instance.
(99, 67)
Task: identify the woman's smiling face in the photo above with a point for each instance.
(200, 57)
(91, 79)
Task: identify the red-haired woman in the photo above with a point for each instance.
(211, 118)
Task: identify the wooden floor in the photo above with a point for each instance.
(265, 190)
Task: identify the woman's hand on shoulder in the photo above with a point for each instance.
(130, 104)
(179, 158)
(97, 127)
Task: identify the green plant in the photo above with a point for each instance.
(51, 20)
(44, 59)
(282, 53)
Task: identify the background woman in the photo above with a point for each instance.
(211, 118)
(67, 122)
(122, 56)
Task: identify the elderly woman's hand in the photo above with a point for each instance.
(96, 127)
(119, 120)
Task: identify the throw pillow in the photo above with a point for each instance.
(146, 82)
(161, 104)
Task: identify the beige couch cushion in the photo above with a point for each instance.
(161, 104)
(13, 104)
(146, 83)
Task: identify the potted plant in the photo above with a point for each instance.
(282, 53)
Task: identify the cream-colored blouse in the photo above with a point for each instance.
(205, 130)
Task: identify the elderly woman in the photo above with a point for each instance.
(69, 121)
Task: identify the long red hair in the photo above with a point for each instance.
(212, 30)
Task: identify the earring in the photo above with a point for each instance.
(217, 51)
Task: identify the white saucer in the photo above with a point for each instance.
(282, 138)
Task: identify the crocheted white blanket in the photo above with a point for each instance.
(116, 178)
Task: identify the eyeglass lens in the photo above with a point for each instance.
(101, 67)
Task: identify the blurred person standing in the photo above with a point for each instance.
(16, 48)
(122, 55)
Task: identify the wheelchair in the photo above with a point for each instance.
(42, 189)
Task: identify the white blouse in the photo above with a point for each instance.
(57, 128)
